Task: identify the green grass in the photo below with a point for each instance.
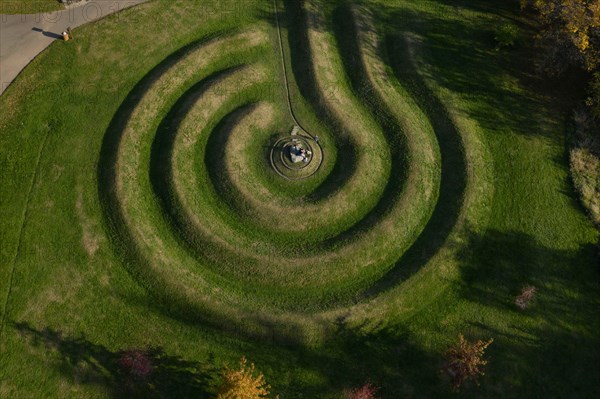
(29, 6)
(127, 222)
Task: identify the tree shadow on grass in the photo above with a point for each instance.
(498, 264)
(541, 363)
(386, 356)
(389, 357)
(90, 363)
(460, 51)
(552, 348)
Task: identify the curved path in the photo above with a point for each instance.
(303, 131)
(24, 36)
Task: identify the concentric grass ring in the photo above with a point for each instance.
(203, 204)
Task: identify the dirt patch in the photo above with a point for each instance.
(65, 286)
(90, 239)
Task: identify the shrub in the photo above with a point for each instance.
(584, 158)
(136, 363)
(523, 300)
(593, 100)
(367, 391)
(506, 35)
(464, 361)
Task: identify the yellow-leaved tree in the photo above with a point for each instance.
(571, 33)
(241, 383)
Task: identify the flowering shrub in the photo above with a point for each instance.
(523, 300)
(136, 363)
(464, 361)
(367, 391)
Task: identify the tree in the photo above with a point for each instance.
(570, 34)
(464, 361)
(367, 391)
(242, 384)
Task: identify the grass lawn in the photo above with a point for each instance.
(139, 208)
(29, 6)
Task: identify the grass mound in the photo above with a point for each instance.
(149, 198)
(220, 222)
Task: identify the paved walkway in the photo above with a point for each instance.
(22, 37)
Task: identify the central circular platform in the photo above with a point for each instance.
(296, 157)
(298, 153)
